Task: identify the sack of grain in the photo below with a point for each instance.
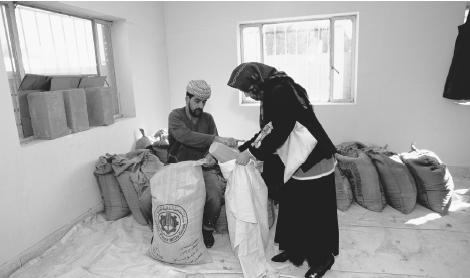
(364, 179)
(344, 195)
(178, 198)
(398, 183)
(433, 179)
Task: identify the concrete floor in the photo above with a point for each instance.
(380, 245)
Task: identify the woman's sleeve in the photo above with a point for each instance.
(248, 143)
(282, 109)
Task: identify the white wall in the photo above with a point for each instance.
(405, 50)
(45, 185)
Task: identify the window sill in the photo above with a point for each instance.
(254, 104)
(29, 141)
(334, 103)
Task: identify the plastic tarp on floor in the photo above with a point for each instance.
(372, 245)
(99, 248)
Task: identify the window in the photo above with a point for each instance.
(318, 53)
(39, 41)
(466, 15)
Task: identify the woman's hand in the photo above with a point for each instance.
(244, 157)
(208, 161)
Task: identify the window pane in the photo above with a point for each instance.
(53, 43)
(251, 50)
(101, 41)
(301, 49)
(280, 39)
(343, 55)
(268, 35)
(251, 44)
(302, 40)
(106, 60)
(291, 39)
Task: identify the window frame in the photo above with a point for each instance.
(353, 16)
(19, 71)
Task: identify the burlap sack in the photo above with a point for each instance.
(344, 195)
(115, 204)
(364, 180)
(133, 171)
(398, 183)
(433, 179)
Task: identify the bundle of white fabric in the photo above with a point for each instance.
(246, 200)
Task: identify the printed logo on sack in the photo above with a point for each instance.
(172, 222)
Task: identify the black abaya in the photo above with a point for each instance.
(307, 225)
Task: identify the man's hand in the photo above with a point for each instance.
(244, 157)
(229, 141)
(232, 142)
(208, 161)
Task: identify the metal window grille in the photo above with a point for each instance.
(319, 53)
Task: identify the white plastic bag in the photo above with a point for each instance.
(296, 149)
(178, 198)
(246, 200)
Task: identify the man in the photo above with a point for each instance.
(191, 132)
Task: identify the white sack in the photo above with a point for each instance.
(296, 149)
(246, 200)
(178, 197)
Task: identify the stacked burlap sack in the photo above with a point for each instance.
(115, 205)
(374, 177)
(124, 182)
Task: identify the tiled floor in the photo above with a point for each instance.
(372, 245)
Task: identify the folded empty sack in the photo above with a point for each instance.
(133, 171)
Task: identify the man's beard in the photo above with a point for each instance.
(196, 112)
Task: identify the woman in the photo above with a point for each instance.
(307, 225)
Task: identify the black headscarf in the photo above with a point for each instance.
(247, 75)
